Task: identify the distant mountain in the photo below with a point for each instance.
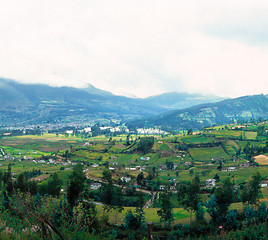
(175, 100)
(38, 103)
(199, 116)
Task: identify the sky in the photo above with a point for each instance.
(138, 48)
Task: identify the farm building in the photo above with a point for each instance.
(210, 183)
(125, 179)
(95, 186)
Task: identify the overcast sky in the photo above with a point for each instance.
(138, 48)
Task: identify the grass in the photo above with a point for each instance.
(18, 167)
(250, 135)
(207, 154)
(226, 133)
(197, 139)
(117, 218)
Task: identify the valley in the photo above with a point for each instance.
(143, 165)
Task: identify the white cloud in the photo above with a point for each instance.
(137, 47)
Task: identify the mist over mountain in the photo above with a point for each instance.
(175, 100)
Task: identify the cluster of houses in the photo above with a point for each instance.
(151, 131)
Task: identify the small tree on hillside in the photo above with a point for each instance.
(252, 192)
(76, 184)
(165, 212)
(189, 195)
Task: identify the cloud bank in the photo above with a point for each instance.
(137, 48)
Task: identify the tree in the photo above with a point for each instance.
(252, 192)
(200, 212)
(231, 221)
(145, 144)
(139, 211)
(111, 196)
(127, 140)
(76, 184)
(262, 212)
(140, 179)
(224, 195)
(21, 183)
(249, 214)
(189, 195)
(54, 185)
(165, 212)
(130, 221)
(219, 203)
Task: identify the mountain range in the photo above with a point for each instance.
(38, 103)
(24, 104)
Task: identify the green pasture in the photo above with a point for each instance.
(195, 139)
(117, 218)
(49, 137)
(162, 147)
(18, 167)
(41, 144)
(227, 133)
(230, 149)
(206, 154)
(250, 135)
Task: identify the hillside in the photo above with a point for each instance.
(222, 112)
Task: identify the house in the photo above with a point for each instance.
(114, 163)
(263, 184)
(95, 186)
(111, 168)
(86, 144)
(187, 163)
(231, 169)
(246, 164)
(145, 158)
(210, 183)
(162, 187)
(143, 167)
(94, 165)
(162, 167)
(125, 179)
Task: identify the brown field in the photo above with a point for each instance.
(261, 159)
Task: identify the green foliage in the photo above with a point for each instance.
(250, 214)
(189, 194)
(262, 212)
(200, 212)
(145, 144)
(165, 212)
(219, 204)
(76, 184)
(231, 220)
(54, 185)
(130, 221)
(252, 192)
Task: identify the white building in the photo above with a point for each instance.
(210, 183)
(125, 179)
(95, 186)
